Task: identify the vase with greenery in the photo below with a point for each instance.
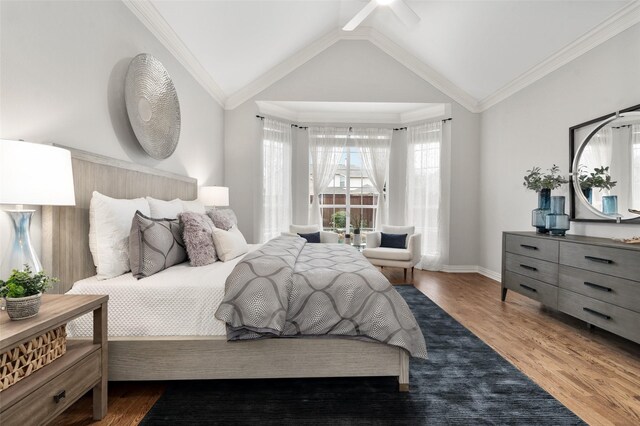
(23, 292)
(543, 184)
(599, 178)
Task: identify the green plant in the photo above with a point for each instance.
(535, 180)
(599, 178)
(339, 219)
(25, 283)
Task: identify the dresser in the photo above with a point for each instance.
(40, 397)
(594, 279)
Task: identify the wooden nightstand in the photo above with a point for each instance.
(46, 393)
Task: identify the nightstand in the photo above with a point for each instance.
(40, 397)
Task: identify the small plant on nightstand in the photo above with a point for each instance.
(23, 292)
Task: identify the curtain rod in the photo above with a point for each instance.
(261, 117)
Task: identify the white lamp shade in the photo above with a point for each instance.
(36, 174)
(214, 195)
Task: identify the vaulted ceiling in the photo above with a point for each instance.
(478, 46)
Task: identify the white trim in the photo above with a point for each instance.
(425, 113)
(146, 12)
(361, 33)
(496, 276)
(472, 269)
(621, 20)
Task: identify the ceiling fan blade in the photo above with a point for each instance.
(360, 16)
(404, 12)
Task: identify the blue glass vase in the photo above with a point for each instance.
(557, 222)
(588, 193)
(538, 216)
(610, 204)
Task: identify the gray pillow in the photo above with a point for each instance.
(154, 245)
(198, 238)
(223, 218)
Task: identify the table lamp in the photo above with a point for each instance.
(32, 174)
(214, 196)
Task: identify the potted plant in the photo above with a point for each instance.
(599, 178)
(23, 292)
(543, 184)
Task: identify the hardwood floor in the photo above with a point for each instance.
(594, 373)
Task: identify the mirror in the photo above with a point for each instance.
(606, 168)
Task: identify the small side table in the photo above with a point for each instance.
(40, 397)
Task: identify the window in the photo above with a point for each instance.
(276, 179)
(350, 198)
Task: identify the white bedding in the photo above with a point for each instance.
(179, 301)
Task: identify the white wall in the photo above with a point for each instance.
(62, 80)
(531, 128)
(355, 71)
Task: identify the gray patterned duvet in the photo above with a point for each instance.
(289, 288)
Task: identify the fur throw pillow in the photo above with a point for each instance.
(198, 238)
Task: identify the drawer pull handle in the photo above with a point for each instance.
(530, 268)
(528, 247)
(599, 260)
(596, 313)
(597, 286)
(59, 396)
(526, 287)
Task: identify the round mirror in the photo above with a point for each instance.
(606, 168)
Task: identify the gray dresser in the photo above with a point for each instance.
(594, 279)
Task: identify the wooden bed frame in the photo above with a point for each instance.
(66, 255)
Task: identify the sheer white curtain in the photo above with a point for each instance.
(375, 146)
(426, 205)
(598, 153)
(326, 145)
(635, 167)
(276, 178)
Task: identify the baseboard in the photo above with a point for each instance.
(468, 269)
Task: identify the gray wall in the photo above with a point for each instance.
(356, 71)
(532, 128)
(62, 71)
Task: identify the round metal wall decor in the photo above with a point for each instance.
(152, 106)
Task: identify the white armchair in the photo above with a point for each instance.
(325, 236)
(394, 257)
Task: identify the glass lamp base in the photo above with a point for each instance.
(21, 252)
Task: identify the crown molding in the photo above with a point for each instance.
(361, 33)
(621, 20)
(153, 20)
(307, 117)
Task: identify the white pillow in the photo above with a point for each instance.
(193, 206)
(303, 229)
(229, 244)
(109, 227)
(160, 209)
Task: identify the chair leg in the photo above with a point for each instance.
(405, 274)
(412, 268)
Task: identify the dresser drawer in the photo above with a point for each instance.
(618, 291)
(533, 268)
(618, 320)
(606, 260)
(534, 289)
(40, 406)
(539, 248)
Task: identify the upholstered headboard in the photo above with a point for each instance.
(65, 230)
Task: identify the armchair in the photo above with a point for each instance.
(395, 257)
(325, 236)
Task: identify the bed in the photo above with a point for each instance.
(174, 356)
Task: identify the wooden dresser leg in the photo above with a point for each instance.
(504, 294)
(100, 334)
(403, 378)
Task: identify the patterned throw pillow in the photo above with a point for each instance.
(154, 245)
(223, 219)
(198, 238)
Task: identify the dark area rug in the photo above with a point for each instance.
(463, 382)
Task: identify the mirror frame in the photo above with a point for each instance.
(575, 148)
